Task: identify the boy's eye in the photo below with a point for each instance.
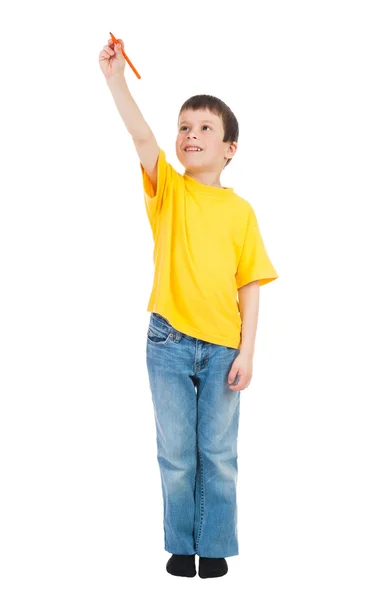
(182, 127)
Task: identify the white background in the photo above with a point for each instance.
(80, 503)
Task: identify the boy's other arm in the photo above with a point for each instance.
(144, 140)
(248, 296)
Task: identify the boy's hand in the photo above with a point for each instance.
(243, 367)
(111, 59)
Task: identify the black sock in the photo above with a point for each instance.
(212, 567)
(182, 565)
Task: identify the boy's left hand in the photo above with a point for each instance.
(243, 367)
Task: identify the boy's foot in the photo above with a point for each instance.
(212, 567)
(182, 565)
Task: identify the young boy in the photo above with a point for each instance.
(208, 250)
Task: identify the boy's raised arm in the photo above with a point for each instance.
(144, 140)
(112, 64)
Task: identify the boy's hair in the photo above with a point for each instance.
(219, 108)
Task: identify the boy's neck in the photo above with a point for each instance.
(206, 179)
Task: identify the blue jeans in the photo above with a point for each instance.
(197, 419)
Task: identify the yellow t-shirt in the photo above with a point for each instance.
(207, 244)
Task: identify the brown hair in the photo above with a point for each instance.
(219, 108)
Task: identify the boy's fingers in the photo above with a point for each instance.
(239, 384)
(111, 43)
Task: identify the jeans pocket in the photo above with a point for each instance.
(158, 335)
(231, 349)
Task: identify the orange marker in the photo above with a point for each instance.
(125, 56)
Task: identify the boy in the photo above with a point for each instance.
(200, 341)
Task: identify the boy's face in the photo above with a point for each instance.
(203, 129)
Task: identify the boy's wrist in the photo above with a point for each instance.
(114, 79)
(246, 351)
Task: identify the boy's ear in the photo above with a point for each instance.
(232, 149)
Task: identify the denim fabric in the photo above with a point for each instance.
(197, 419)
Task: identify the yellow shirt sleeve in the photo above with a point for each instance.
(154, 199)
(254, 263)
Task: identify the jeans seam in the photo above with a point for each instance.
(201, 499)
